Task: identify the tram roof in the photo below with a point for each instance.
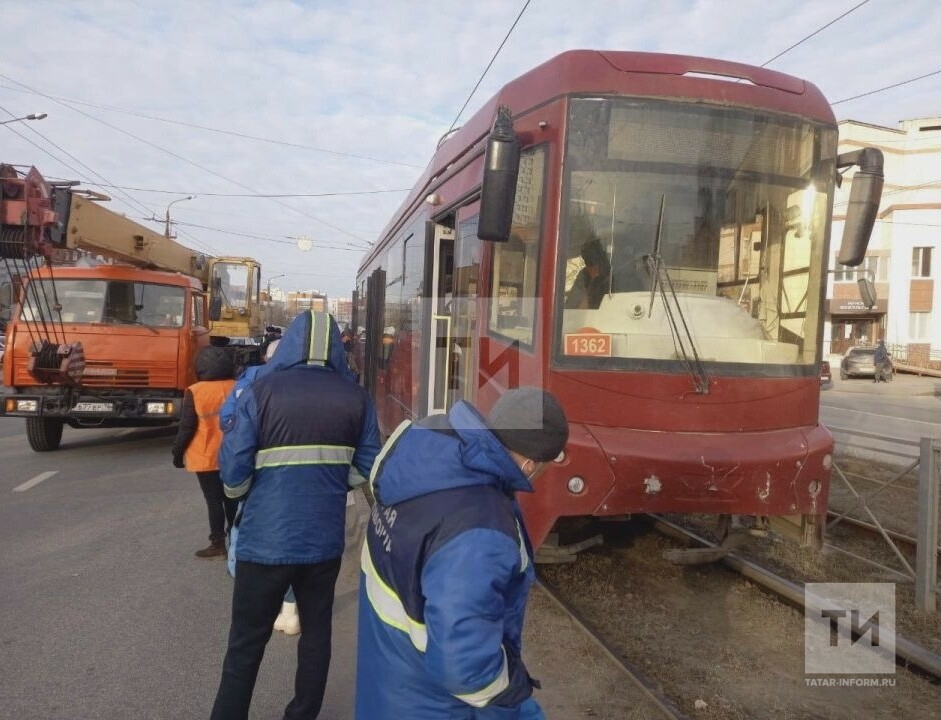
(614, 72)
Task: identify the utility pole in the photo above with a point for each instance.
(166, 229)
(268, 305)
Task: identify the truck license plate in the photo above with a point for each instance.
(93, 407)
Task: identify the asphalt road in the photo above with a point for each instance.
(104, 611)
(882, 421)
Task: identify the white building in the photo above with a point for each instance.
(904, 253)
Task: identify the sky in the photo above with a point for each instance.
(336, 107)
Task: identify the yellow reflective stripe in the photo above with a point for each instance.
(387, 606)
(380, 458)
(501, 683)
(304, 455)
(318, 353)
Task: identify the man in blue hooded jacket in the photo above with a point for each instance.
(447, 564)
(297, 430)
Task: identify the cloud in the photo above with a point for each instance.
(380, 80)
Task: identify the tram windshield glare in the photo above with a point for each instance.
(692, 231)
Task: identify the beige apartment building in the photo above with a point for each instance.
(904, 256)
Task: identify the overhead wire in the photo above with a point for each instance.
(887, 87)
(182, 123)
(201, 193)
(815, 32)
(255, 236)
(195, 164)
(489, 65)
(128, 198)
(824, 27)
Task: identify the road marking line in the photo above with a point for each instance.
(35, 481)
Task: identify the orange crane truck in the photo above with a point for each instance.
(108, 315)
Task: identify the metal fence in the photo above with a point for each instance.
(927, 508)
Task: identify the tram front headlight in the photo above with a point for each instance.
(576, 485)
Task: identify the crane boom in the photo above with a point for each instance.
(90, 226)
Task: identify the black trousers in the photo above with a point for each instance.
(256, 601)
(221, 509)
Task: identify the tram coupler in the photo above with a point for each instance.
(552, 552)
(706, 555)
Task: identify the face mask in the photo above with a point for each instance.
(537, 468)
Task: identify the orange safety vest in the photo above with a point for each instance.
(202, 453)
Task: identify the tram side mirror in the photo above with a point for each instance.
(498, 189)
(863, 203)
(867, 291)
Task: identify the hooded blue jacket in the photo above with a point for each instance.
(446, 570)
(297, 429)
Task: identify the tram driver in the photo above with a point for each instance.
(594, 280)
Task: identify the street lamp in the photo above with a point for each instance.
(268, 319)
(166, 230)
(31, 116)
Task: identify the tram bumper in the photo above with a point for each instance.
(626, 471)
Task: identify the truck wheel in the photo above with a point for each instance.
(44, 433)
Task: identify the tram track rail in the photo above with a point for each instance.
(873, 530)
(913, 655)
(648, 690)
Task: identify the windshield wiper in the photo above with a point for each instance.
(661, 281)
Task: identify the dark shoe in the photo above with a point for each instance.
(216, 548)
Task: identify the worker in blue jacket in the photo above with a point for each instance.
(298, 429)
(447, 564)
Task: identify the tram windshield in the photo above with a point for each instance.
(692, 233)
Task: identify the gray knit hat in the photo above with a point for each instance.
(530, 421)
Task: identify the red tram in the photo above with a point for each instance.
(646, 236)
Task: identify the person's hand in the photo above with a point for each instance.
(178, 461)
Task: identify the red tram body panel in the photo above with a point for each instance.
(664, 276)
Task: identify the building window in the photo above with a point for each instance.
(919, 326)
(874, 267)
(921, 262)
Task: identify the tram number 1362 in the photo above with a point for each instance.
(588, 344)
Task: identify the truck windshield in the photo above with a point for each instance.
(101, 301)
(692, 231)
(230, 284)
